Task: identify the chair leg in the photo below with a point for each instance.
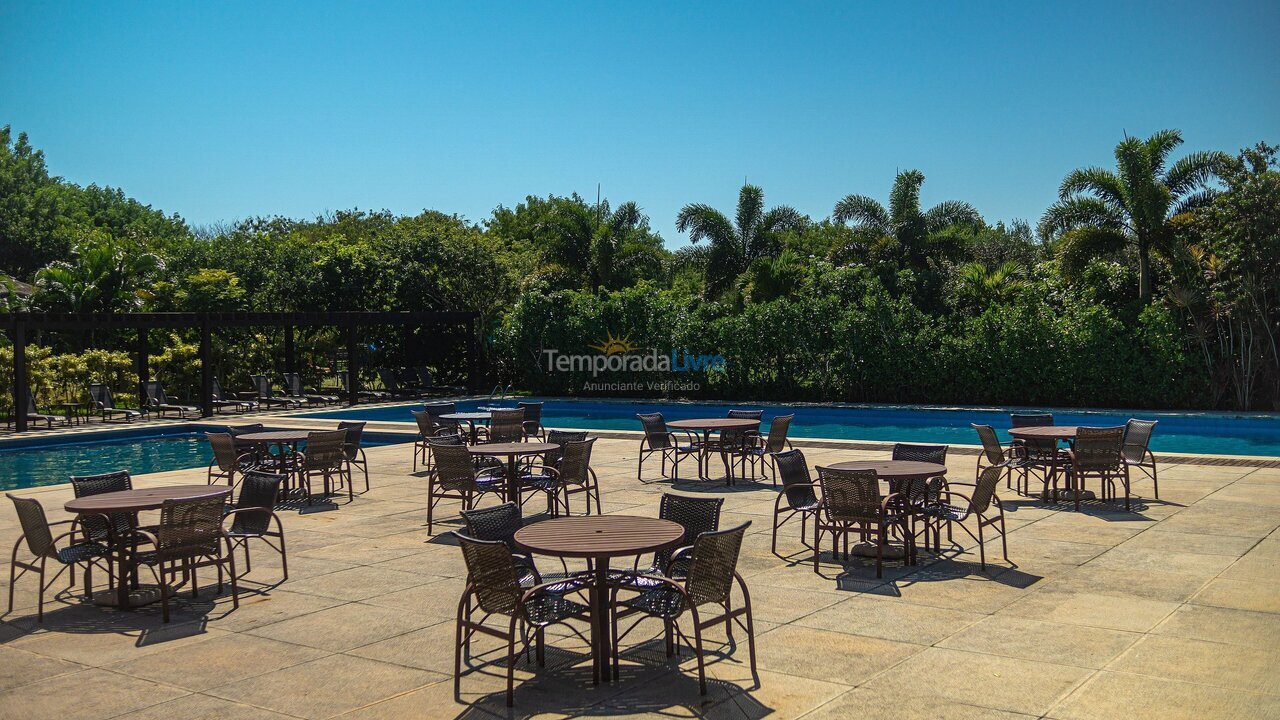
(697, 650)
(511, 664)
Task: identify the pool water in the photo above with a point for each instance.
(1181, 432)
(50, 461)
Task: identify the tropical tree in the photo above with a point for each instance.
(903, 225)
(734, 245)
(981, 286)
(102, 276)
(1100, 212)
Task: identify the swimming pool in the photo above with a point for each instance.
(1181, 432)
(48, 461)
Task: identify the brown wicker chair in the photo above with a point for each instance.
(493, 587)
(733, 445)
(1137, 450)
(189, 537)
(1037, 457)
(532, 419)
(765, 449)
(37, 533)
(977, 504)
(253, 515)
(658, 439)
(851, 501)
(455, 477)
(696, 515)
(505, 426)
(994, 453)
(106, 529)
(227, 460)
(352, 452)
(799, 493)
(712, 563)
(325, 457)
(1098, 453)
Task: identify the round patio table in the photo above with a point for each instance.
(598, 538)
(281, 439)
(894, 472)
(470, 418)
(132, 501)
(1054, 433)
(708, 426)
(511, 451)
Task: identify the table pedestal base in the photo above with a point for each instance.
(891, 552)
(144, 595)
(1068, 495)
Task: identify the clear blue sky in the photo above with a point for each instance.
(220, 111)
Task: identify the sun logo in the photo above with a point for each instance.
(615, 345)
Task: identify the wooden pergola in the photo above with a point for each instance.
(18, 325)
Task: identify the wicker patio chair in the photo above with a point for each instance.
(981, 500)
(799, 493)
(189, 537)
(529, 467)
(533, 419)
(712, 563)
(227, 460)
(733, 445)
(325, 457)
(917, 493)
(113, 526)
(502, 522)
(158, 401)
(267, 397)
(435, 410)
(1038, 456)
(294, 390)
(104, 403)
(258, 451)
(493, 587)
(1137, 450)
(421, 448)
(572, 475)
(220, 400)
(456, 478)
(658, 439)
(37, 533)
(851, 502)
(766, 448)
(1098, 453)
(696, 515)
(253, 516)
(994, 453)
(353, 452)
(505, 426)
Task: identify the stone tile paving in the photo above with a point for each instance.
(1170, 611)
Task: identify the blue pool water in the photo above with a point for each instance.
(1182, 432)
(48, 461)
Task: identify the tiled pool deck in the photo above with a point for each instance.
(1172, 611)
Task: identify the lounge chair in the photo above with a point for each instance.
(427, 382)
(35, 415)
(220, 400)
(293, 390)
(392, 386)
(265, 395)
(104, 403)
(159, 402)
(373, 395)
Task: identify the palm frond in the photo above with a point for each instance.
(704, 222)
(1159, 145)
(951, 212)
(904, 198)
(1194, 170)
(783, 217)
(750, 212)
(863, 212)
(1079, 245)
(1099, 182)
(1195, 201)
(1079, 211)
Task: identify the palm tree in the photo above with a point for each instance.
(101, 276)
(904, 223)
(1099, 211)
(983, 287)
(734, 245)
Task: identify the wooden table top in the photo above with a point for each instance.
(714, 424)
(894, 469)
(519, 448)
(599, 536)
(143, 499)
(275, 436)
(1045, 432)
(465, 416)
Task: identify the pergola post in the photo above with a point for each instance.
(143, 365)
(289, 365)
(206, 368)
(472, 374)
(353, 367)
(19, 375)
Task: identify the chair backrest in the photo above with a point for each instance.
(258, 489)
(778, 428)
(454, 469)
(424, 376)
(506, 425)
(500, 522)
(560, 437)
(293, 384)
(435, 410)
(101, 396)
(325, 449)
(920, 453)
(1099, 448)
(986, 488)
(1137, 439)
(696, 515)
(355, 431)
(793, 470)
(154, 393)
(31, 403)
(712, 564)
(426, 426)
(1036, 448)
(35, 526)
(575, 462)
(189, 528)
(217, 389)
(224, 450)
(532, 411)
(849, 495)
(236, 431)
(388, 379)
(492, 572)
(655, 430)
(261, 385)
(990, 443)
(737, 437)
